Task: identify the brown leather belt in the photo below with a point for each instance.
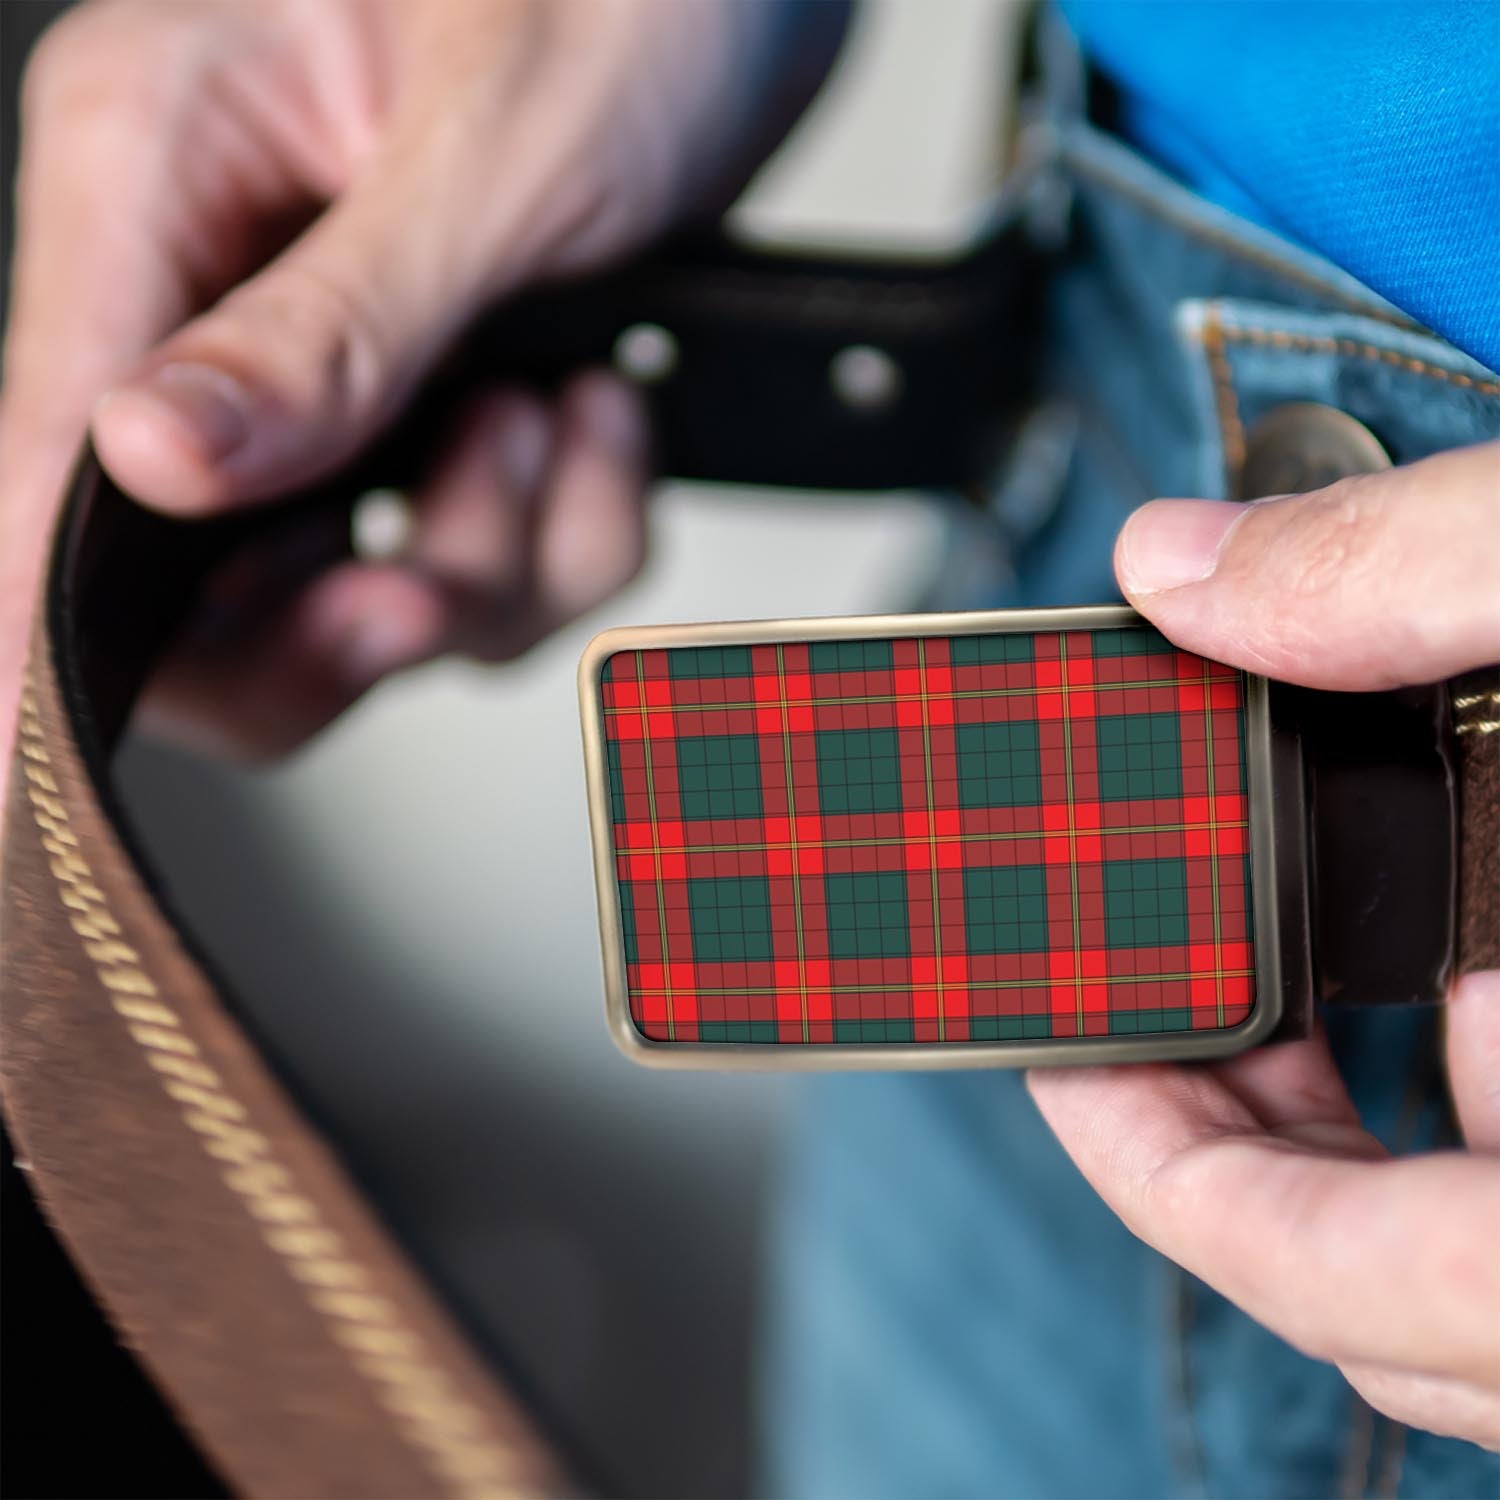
(232, 1248)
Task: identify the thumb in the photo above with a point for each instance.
(1378, 581)
(293, 370)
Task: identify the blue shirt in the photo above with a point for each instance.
(1367, 130)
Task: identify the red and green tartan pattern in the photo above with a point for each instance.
(975, 838)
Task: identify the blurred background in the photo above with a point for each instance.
(408, 905)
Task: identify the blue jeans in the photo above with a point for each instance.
(951, 1310)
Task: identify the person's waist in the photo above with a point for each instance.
(1184, 327)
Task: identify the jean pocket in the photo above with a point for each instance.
(1415, 393)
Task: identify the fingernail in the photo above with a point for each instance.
(521, 448)
(376, 646)
(612, 413)
(1169, 543)
(211, 406)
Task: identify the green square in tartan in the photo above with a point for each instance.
(986, 650)
(1140, 756)
(1009, 1028)
(999, 765)
(709, 661)
(719, 776)
(859, 771)
(616, 781)
(627, 921)
(867, 915)
(1138, 640)
(1145, 902)
(1005, 909)
(731, 919)
(1131, 1022)
(850, 656)
(872, 1031)
(738, 1031)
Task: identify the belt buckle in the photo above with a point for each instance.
(996, 838)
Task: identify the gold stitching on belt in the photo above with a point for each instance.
(447, 1431)
(1487, 700)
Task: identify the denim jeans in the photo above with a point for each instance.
(950, 1309)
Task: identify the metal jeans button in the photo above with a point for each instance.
(1303, 446)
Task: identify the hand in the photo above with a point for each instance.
(1255, 1174)
(246, 230)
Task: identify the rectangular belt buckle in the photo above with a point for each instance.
(1004, 838)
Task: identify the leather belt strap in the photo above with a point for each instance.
(232, 1248)
(221, 1232)
(1476, 727)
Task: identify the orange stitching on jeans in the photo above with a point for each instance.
(1276, 338)
(1213, 334)
(1226, 402)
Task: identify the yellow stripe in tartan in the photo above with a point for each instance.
(941, 838)
(937, 924)
(1213, 846)
(1067, 730)
(873, 987)
(656, 849)
(853, 698)
(791, 808)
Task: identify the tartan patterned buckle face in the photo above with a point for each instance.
(925, 841)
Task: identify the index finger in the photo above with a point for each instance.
(93, 280)
(1348, 1256)
(92, 287)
